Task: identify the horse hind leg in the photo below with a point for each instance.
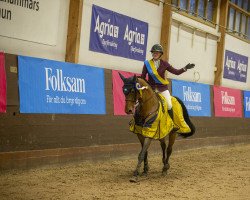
(163, 147)
(172, 137)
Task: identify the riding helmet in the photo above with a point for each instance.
(157, 47)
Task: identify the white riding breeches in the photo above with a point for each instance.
(167, 96)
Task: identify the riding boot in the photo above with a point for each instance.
(171, 114)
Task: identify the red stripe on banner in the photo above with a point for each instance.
(118, 96)
(2, 83)
(227, 102)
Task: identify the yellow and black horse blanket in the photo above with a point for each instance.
(163, 124)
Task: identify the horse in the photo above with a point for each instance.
(144, 103)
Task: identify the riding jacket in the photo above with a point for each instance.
(164, 66)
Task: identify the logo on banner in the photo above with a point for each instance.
(106, 29)
(195, 96)
(58, 82)
(191, 96)
(235, 67)
(134, 36)
(247, 104)
(227, 102)
(116, 34)
(60, 88)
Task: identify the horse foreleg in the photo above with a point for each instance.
(172, 137)
(163, 147)
(141, 158)
(146, 167)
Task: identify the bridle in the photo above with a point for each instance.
(132, 86)
(127, 88)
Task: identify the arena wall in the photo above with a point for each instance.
(30, 140)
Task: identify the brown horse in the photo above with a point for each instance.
(143, 102)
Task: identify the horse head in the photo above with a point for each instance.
(137, 91)
(130, 92)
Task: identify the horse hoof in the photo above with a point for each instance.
(164, 172)
(134, 179)
(144, 174)
(165, 169)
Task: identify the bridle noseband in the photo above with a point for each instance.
(127, 89)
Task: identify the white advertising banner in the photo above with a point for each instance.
(30, 20)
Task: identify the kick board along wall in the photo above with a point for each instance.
(29, 140)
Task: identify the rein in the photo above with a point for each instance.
(152, 114)
(148, 99)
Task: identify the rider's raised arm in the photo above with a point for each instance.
(144, 72)
(173, 70)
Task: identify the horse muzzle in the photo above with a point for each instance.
(130, 107)
(129, 111)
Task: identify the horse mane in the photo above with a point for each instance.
(146, 81)
(143, 79)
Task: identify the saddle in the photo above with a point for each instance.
(157, 126)
(149, 120)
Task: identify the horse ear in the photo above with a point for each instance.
(134, 78)
(122, 77)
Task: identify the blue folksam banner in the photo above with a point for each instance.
(247, 104)
(195, 96)
(235, 66)
(117, 34)
(48, 86)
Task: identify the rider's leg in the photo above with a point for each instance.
(167, 96)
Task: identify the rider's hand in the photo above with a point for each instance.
(189, 66)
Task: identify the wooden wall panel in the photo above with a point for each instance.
(11, 76)
(62, 134)
(74, 31)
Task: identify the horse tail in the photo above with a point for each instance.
(187, 120)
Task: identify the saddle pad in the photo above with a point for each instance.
(163, 124)
(159, 129)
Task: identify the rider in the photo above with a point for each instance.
(156, 69)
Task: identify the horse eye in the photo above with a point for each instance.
(125, 91)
